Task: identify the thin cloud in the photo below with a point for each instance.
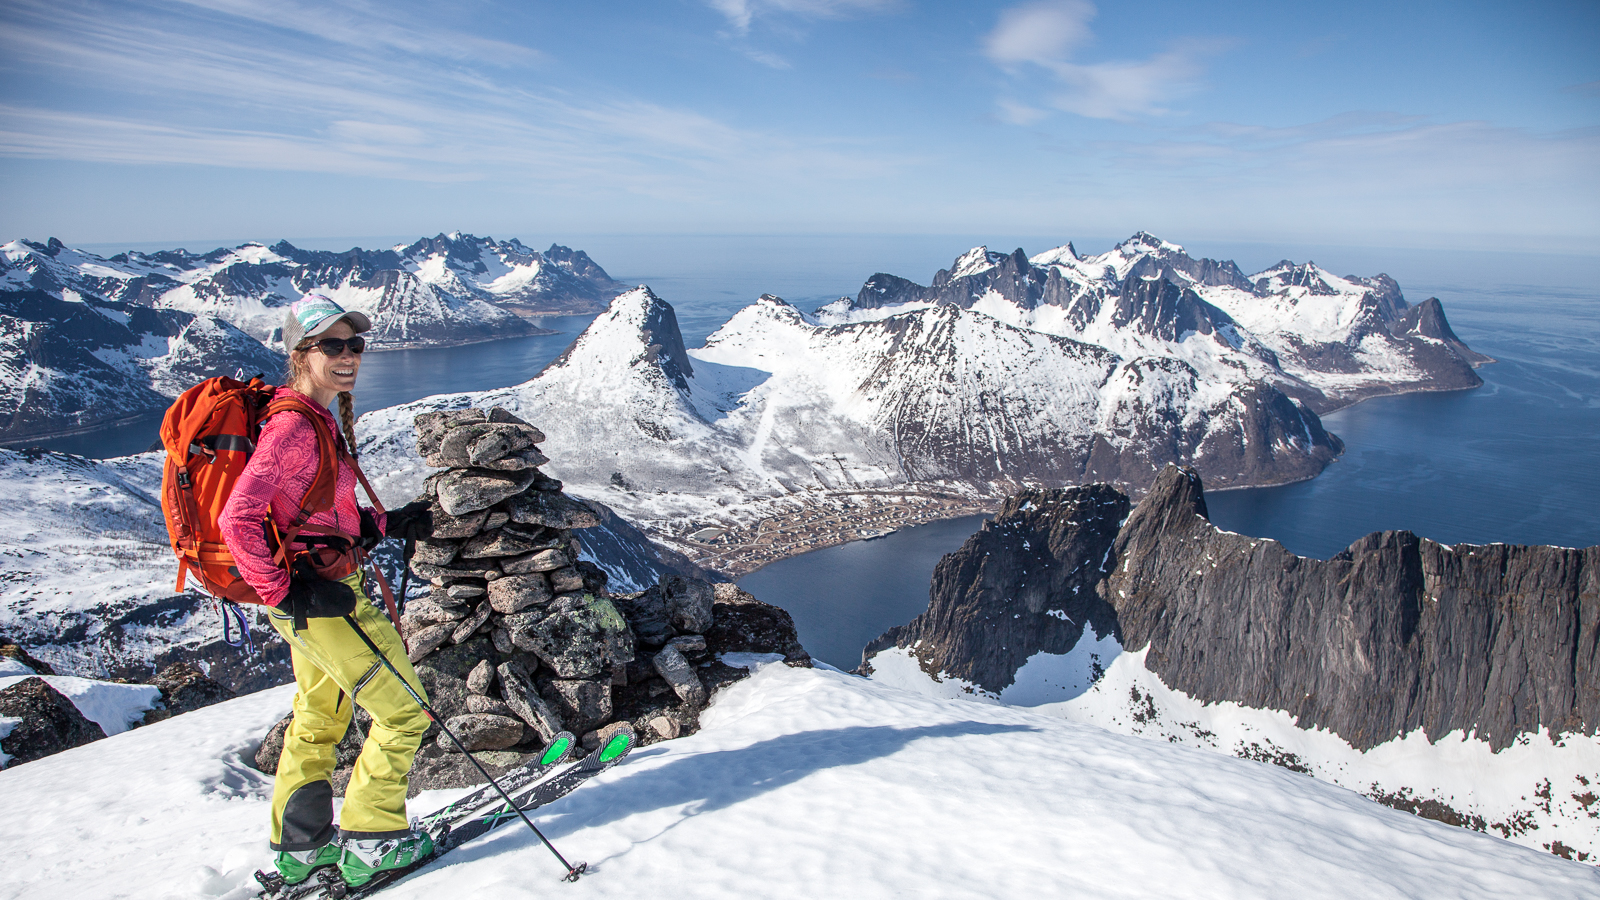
(221, 90)
(1044, 34)
(1048, 34)
(358, 23)
(1014, 113)
(741, 13)
(770, 60)
(1385, 161)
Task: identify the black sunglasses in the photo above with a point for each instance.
(335, 346)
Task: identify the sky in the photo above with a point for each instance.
(1422, 124)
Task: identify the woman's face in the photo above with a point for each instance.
(327, 375)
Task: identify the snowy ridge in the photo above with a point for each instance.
(434, 292)
(1539, 793)
(86, 573)
(777, 405)
(1323, 339)
(896, 794)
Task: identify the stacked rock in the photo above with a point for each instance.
(502, 562)
(517, 638)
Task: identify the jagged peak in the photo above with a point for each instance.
(1176, 495)
(1064, 255)
(638, 325)
(1145, 242)
(978, 259)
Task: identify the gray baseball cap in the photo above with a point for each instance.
(315, 313)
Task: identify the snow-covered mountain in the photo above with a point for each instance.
(87, 340)
(434, 292)
(800, 783)
(87, 574)
(72, 362)
(1322, 339)
(777, 404)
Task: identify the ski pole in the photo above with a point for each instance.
(572, 871)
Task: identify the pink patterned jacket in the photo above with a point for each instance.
(276, 480)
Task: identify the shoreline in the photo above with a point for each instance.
(24, 443)
(736, 551)
(388, 347)
(1413, 390)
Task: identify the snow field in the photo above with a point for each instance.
(1535, 792)
(802, 783)
(169, 810)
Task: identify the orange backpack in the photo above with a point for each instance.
(209, 435)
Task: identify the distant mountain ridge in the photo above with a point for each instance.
(75, 364)
(87, 340)
(1324, 340)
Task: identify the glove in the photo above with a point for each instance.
(313, 597)
(412, 521)
(370, 535)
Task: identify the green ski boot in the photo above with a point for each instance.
(297, 865)
(364, 858)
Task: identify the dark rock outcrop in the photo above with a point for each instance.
(1393, 634)
(1024, 584)
(185, 688)
(50, 723)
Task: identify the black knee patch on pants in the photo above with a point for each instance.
(308, 818)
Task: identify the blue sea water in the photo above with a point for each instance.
(1512, 461)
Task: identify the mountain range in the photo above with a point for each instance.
(1325, 340)
(90, 340)
(1005, 372)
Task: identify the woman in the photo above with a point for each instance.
(319, 588)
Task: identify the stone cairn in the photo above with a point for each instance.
(518, 639)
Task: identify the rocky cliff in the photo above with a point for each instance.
(1394, 634)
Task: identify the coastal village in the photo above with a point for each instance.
(837, 519)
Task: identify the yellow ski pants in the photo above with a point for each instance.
(333, 666)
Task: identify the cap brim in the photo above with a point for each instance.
(358, 323)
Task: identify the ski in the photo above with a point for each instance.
(547, 790)
(554, 754)
(329, 885)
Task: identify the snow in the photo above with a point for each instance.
(802, 783)
(1538, 791)
(10, 667)
(114, 707)
(7, 723)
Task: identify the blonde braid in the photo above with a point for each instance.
(347, 417)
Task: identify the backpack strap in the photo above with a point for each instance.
(320, 495)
